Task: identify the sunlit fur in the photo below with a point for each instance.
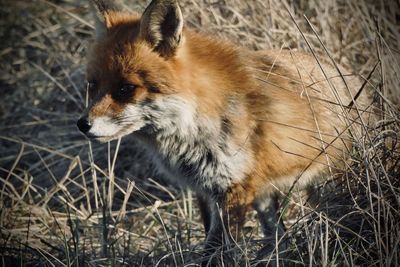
(232, 124)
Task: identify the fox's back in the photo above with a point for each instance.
(309, 118)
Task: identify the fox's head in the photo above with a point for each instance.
(131, 70)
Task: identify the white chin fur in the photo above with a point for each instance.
(104, 127)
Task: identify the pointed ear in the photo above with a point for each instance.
(161, 26)
(101, 10)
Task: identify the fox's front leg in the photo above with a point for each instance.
(227, 210)
(205, 211)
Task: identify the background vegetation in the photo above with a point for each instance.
(65, 201)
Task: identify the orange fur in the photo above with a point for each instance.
(285, 110)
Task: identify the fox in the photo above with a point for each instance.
(236, 126)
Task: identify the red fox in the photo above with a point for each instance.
(236, 126)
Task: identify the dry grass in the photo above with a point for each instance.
(65, 201)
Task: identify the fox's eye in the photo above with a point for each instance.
(126, 90)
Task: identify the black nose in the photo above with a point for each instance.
(84, 125)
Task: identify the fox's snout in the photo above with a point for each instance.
(84, 125)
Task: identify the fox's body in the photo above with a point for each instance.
(234, 125)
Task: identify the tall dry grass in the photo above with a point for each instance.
(67, 202)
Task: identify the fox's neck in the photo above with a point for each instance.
(211, 71)
(197, 130)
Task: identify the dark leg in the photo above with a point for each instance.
(215, 240)
(227, 219)
(205, 212)
(273, 227)
(268, 214)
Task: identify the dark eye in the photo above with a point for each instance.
(126, 90)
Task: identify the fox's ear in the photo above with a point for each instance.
(102, 10)
(161, 26)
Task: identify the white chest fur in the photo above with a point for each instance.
(193, 149)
